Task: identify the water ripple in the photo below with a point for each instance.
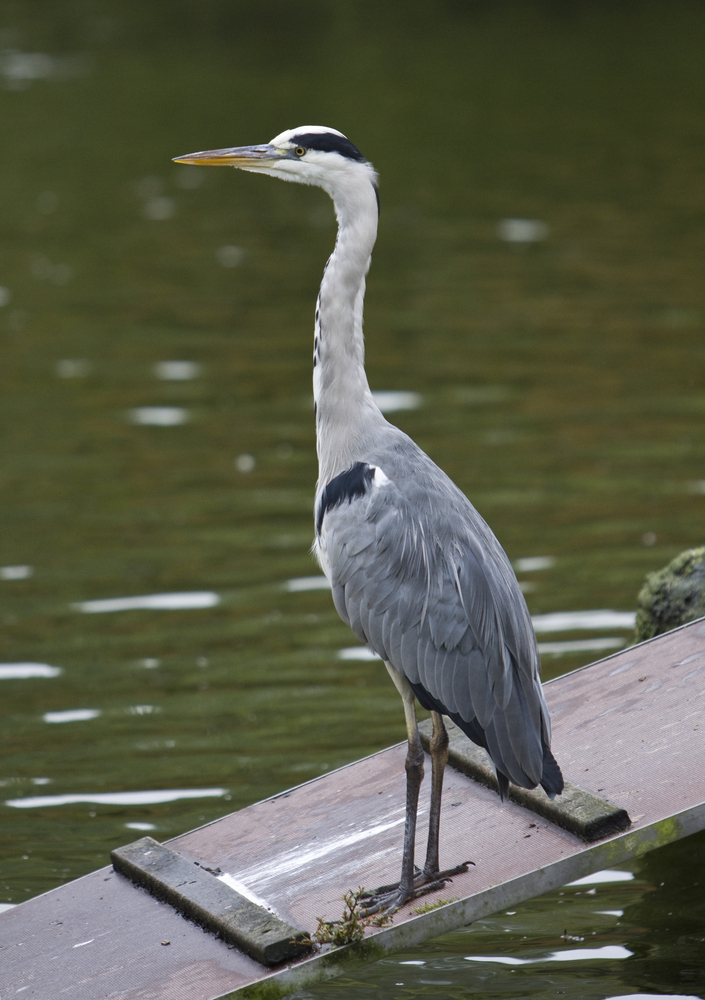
(151, 602)
(145, 798)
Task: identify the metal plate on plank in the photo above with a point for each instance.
(203, 898)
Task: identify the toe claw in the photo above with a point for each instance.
(387, 899)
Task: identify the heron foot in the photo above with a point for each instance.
(387, 899)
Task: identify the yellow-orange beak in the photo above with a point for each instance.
(240, 156)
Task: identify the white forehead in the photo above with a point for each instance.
(287, 137)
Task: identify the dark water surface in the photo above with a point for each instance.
(538, 282)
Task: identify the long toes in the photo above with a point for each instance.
(387, 899)
(390, 902)
(371, 910)
(425, 887)
(386, 904)
(444, 875)
(382, 890)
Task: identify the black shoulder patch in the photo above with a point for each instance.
(349, 485)
(327, 142)
(376, 196)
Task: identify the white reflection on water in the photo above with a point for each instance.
(564, 621)
(20, 671)
(245, 463)
(653, 996)
(151, 602)
(5, 296)
(531, 564)
(522, 230)
(392, 400)
(117, 798)
(177, 371)
(73, 368)
(230, 256)
(15, 572)
(159, 416)
(607, 875)
(159, 208)
(72, 715)
(580, 645)
(357, 653)
(20, 69)
(571, 955)
(140, 826)
(306, 583)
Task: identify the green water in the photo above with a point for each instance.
(561, 380)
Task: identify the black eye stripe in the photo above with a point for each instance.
(327, 142)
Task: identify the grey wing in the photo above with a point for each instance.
(418, 575)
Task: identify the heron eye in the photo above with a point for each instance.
(299, 150)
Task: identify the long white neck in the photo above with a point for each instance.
(346, 414)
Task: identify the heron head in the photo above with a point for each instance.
(310, 154)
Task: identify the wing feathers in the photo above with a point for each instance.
(420, 577)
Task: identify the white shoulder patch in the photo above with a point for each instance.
(379, 478)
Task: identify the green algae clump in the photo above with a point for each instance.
(672, 596)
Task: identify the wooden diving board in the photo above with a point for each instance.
(629, 729)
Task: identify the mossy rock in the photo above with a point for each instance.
(672, 596)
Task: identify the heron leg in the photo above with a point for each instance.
(414, 766)
(432, 876)
(389, 898)
(439, 759)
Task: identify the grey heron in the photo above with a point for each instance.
(414, 569)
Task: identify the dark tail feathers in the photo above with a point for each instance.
(551, 779)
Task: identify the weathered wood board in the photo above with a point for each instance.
(628, 728)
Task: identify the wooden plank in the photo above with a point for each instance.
(588, 816)
(200, 896)
(629, 728)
